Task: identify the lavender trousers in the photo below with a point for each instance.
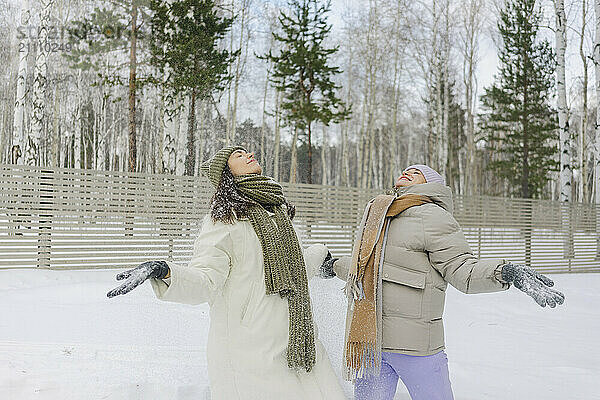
(425, 377)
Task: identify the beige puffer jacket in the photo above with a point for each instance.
(425, 250)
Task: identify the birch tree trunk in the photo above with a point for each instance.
(382, 150)
(583, 182)
(294, 158)
(169, 128)
(597, 130)
(170, 134)
(324, 167)
(102, 134)
(33, 153)
(77, 123)
(112, 137)
(395, 134)
(155, 139)
(443, 154)
(309, 145)
(3, 126)
(55, 151)
(150, 137)
(238, 69)
(462, 158)
(132, 155)
(160, 160)
(277, 136)
(369, 150)
(191, 138)
(410, 150)
(566, 172)
(344, 169)
(358, 149)
(200, 137)
(371, 66)
(38, 100)
(471, 31)
(122, 143)
(370, 132)
(95, 140)
(182, 130)
(145, 137)
(229, 67)
(362, 144)
(157, 135)
(439, 108)
(438, 117)
(17, 148)
(445, 126)
(263, 123)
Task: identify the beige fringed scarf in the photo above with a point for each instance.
(362, 350)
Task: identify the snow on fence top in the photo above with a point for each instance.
(66, 218)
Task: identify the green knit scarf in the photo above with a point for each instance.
(285, 271)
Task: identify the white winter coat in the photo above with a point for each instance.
(248, 333)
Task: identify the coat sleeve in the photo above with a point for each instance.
(314, 255)
(205, 275)
(342, 266)
(451, 255)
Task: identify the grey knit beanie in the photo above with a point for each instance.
(429, 173)
(214, 166)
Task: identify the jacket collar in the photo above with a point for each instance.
(440, 194)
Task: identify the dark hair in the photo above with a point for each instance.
(228, 203)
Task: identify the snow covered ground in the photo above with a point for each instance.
(62, 338)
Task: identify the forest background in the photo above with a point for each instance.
(344, 93)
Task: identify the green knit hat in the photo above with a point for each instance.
(214, 166)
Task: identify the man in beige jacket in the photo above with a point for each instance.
(424, 250)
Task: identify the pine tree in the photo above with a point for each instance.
(302, 73)
(185, 38)
(518, 123)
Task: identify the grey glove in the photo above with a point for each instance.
(136, 276)
(533, 284)
(326, 270)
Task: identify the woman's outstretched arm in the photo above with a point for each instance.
(204, 276)
(451, 256)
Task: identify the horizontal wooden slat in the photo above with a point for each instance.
(67, 218)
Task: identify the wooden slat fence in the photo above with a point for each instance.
(65, 218)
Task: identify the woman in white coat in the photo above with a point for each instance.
(247, 264)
